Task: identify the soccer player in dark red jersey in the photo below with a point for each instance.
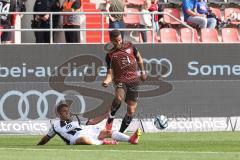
(123, 63)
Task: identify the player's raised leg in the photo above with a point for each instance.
(116, 104)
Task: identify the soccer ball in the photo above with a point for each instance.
(161, 122)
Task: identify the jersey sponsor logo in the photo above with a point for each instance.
(69, 126)
(125, 62)
(128, 50)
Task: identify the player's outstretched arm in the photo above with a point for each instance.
(44, 140)
(108, 78)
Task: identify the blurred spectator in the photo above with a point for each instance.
(160, 8)
(145, 19)
(198, 19)
(42, 21)
(116, 20)
(202, 8)
(8, 21)
(72, 21)
(154, 8)
(55, 7)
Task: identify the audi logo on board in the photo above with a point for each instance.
(42, 104)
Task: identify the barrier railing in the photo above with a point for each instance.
(102, 29)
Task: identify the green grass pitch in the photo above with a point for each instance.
(152, 146)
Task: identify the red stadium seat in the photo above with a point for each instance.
(150, 37)
(217, 12)
(230, 35)
(173, 11)
(209, 35)
(131, 18)
(186, 35)
(228, 11)
(169, 35)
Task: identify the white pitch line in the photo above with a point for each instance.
(129, 151)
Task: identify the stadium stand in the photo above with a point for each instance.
(131, 19)
(230, 35)
(217, 12)
(229, 11)
(209, 35)
(173, 11)
(94, 21)
(186, 35)
(169, 35)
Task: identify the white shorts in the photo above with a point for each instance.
(90, 133)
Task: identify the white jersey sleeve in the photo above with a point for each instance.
(51, 133)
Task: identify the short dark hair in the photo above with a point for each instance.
(60, 106)
(114, 34)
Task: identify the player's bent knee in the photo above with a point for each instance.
(131, 111)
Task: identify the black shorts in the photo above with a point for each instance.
(131, 91)
(6, 36)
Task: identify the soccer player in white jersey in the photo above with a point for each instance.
(72, 133)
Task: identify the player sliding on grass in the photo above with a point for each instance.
(71, 132)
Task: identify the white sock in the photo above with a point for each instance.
(120, 136)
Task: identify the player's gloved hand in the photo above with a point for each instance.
(143, 76)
